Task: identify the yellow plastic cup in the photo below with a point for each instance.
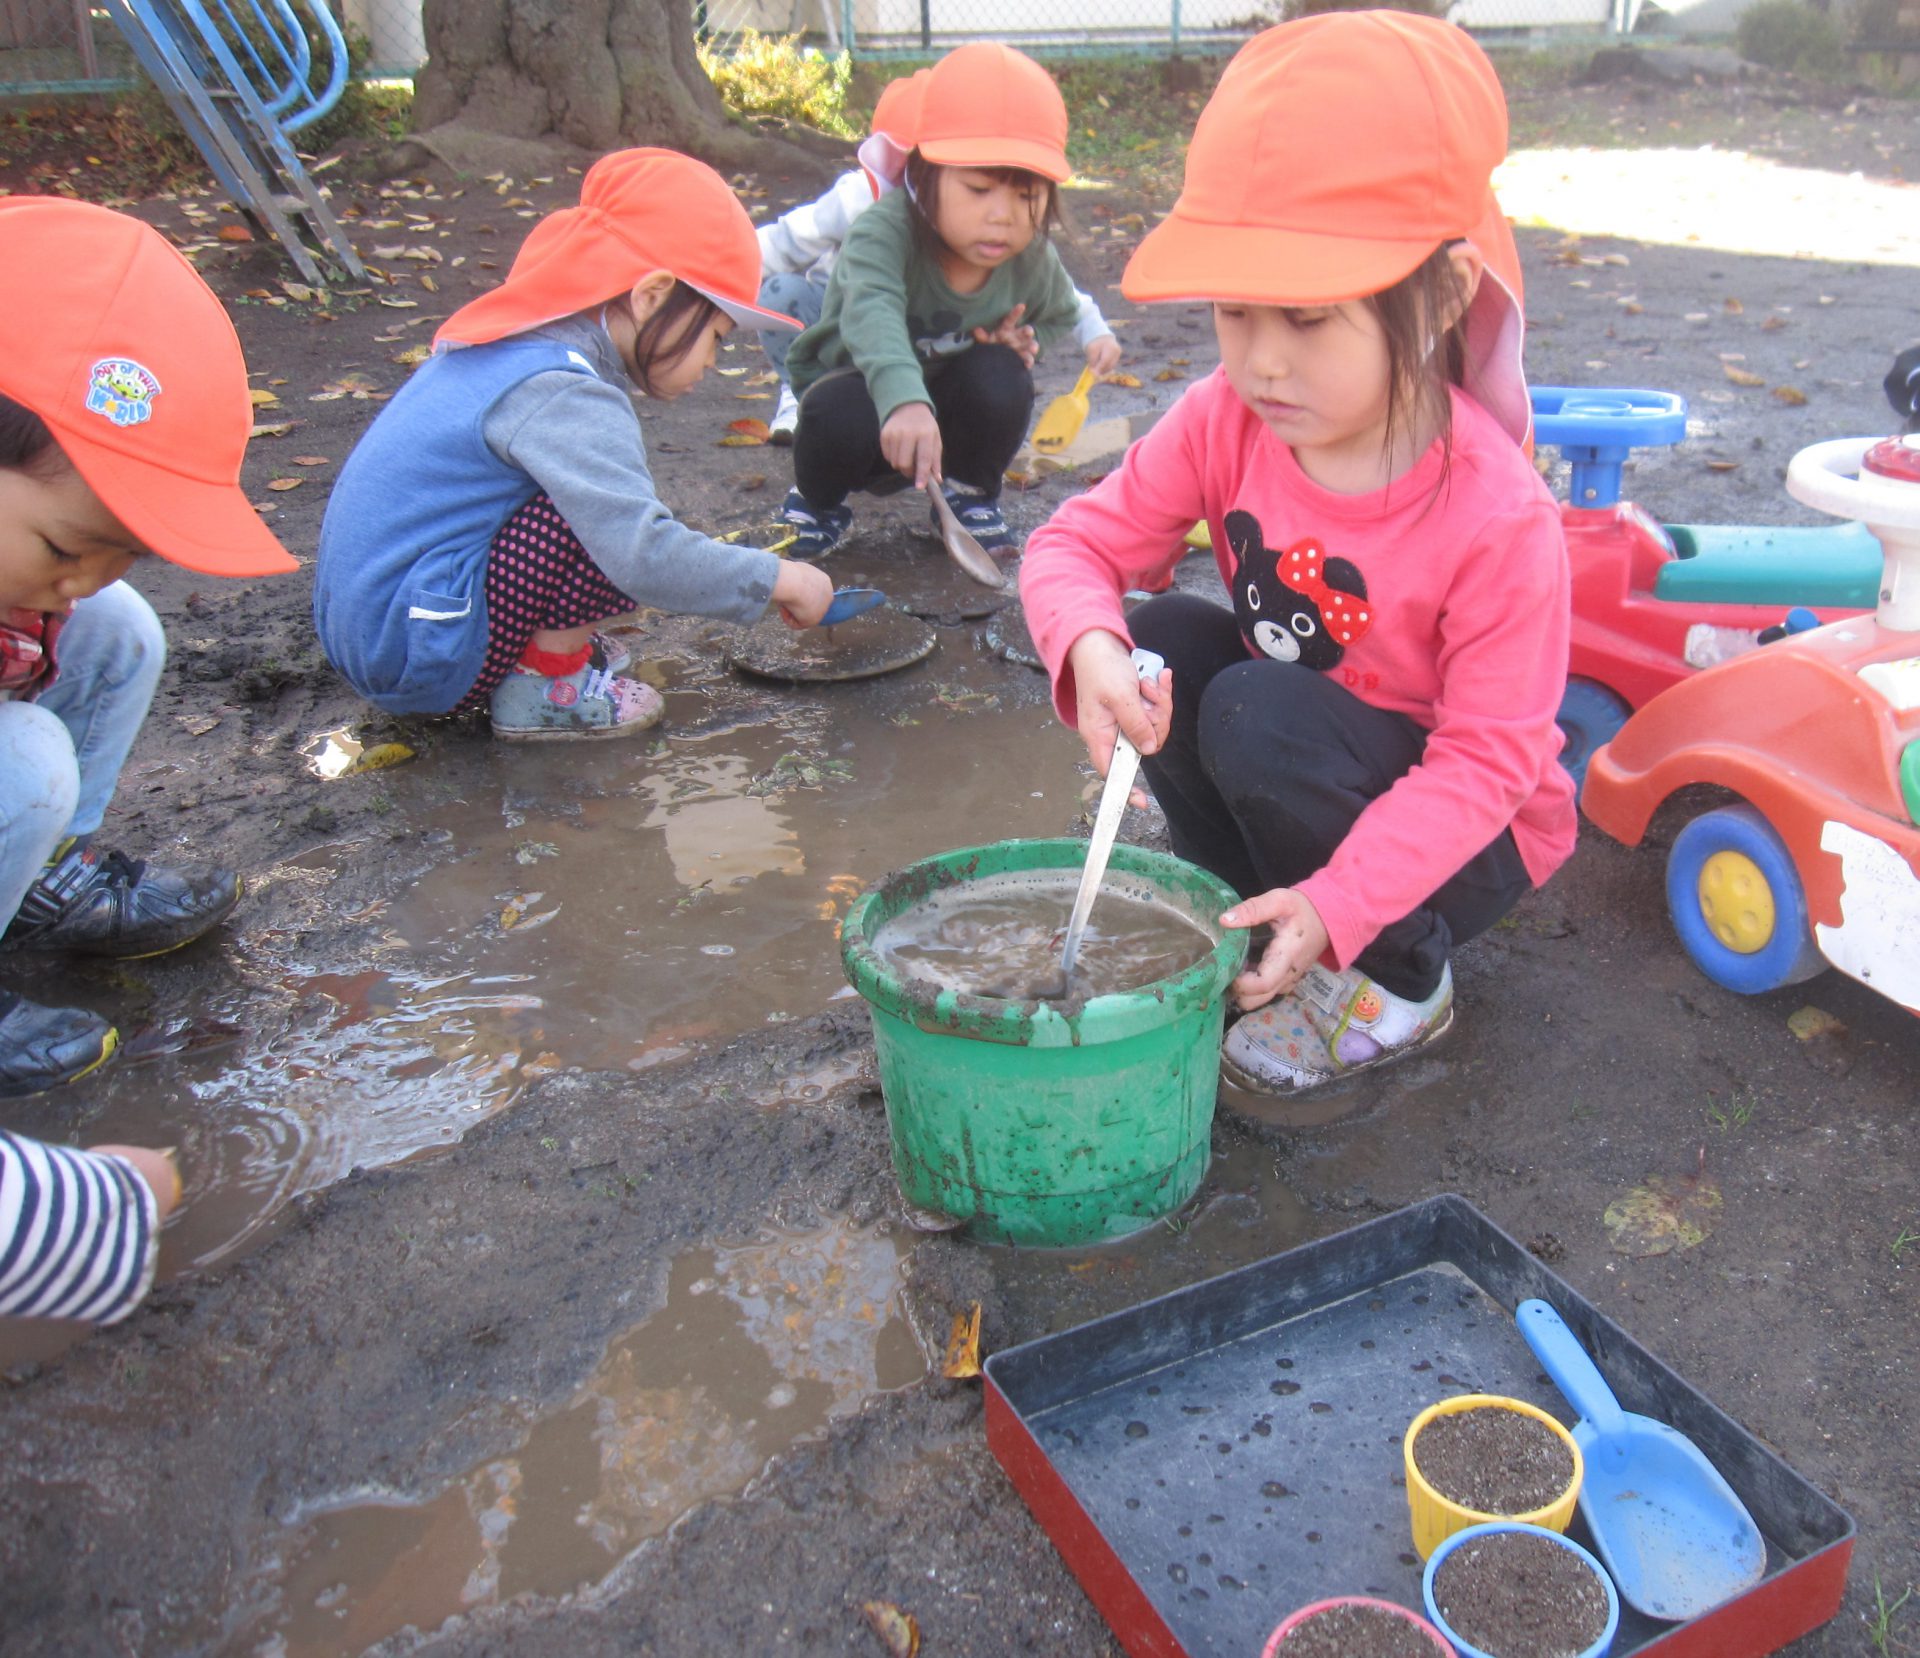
(1436, 1518)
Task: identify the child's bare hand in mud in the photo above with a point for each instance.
(1112, 700)
(910, 440)
(1014, 334)
(1299, 940)
(802, 592)
(157, 1168)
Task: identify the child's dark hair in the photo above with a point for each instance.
(923, 191)
(671, 332)
(1432, 289)
(25, 443)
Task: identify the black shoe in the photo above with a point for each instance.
(979, 516)
(104, 904)
(42, 1047)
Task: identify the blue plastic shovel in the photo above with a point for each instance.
(1668, 1528)
(849, 602)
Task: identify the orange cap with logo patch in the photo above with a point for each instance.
(986, 105)
(115, 342)
(640, 211)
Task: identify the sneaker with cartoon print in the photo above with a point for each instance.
(1329, 1026)
(590, 702)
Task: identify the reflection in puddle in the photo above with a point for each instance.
(757, 1348)
(600, 910)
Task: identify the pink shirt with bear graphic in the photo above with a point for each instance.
(1459, 619)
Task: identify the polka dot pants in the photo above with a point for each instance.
(538, 576)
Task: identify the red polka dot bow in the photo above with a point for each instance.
(1346, 615)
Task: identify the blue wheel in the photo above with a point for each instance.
(1737, 903)
(1589, 715)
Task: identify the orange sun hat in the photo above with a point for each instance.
(986, 105)
(115, 342)
(896, 118)
(1336, 154)
(640, 210)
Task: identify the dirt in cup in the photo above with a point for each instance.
(1516, 1595)
(1493, 1460)
(1349, 1631)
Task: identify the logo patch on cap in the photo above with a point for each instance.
(122, 390)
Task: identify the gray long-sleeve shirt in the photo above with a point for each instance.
(578, 437)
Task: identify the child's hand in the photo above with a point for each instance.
(1103, 354)
(1299, 940)
(802, 592)
(1112, 700)
(911, 442)
(157, 1168)
(1012, 333)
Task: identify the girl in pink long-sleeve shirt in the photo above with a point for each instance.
(1364, 745)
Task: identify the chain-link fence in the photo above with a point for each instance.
(66, 46)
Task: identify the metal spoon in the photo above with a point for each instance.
(1106, 825)
(961, 547)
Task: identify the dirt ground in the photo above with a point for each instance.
(408, 1322)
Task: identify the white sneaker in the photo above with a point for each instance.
(786, 416)
(1331, 1025)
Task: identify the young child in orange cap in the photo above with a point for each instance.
(919, 370)
(1363, 744)
(124, 417)
(798, 250)
(502, 504)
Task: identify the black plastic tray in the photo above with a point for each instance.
(1210, 1460)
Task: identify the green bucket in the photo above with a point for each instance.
(1038, 1123)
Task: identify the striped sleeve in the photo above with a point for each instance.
(78, 1233)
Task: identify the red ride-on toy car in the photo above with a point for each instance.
(1653, 603)
(1818, 735)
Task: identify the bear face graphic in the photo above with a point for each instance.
(1298, 605)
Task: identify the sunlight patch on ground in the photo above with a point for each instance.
(1721, 199)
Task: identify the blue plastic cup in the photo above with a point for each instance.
(1467, 1649)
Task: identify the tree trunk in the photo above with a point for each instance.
(597, 74)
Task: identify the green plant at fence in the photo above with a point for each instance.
(776, 75)
(1791, 35)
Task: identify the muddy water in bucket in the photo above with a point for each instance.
(1037, 1122)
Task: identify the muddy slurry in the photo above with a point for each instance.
(1001, 936)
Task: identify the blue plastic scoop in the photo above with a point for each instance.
(1669, 1529)
(849, 602)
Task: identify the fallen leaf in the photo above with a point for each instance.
(197, 725)
(1665, 1214)
(1169, 374)
(234, 233)
(261, 398)
(311, 460)
(741, 440)
(1792, 396)
(282, 485)
(381, 756)
(278, 429)
(413, 355)
(749, 427)
(1723, 466)
(1741, 376)
(297, 290)
(896, 1629)
(963, 1346)
(1773, 325)
(1130, 381)
(1811, 1022)
(1734, 308)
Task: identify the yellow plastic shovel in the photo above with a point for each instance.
(1061, 420)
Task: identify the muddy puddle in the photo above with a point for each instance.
(610, 907)
(756, 1347)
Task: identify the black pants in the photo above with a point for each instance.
(982, 399)
(1266, 768)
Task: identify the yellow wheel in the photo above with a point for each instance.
(1735, 902)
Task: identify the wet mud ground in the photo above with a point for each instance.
(543, 1284)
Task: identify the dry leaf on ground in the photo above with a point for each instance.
(894, 1627)
(963, 1346)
